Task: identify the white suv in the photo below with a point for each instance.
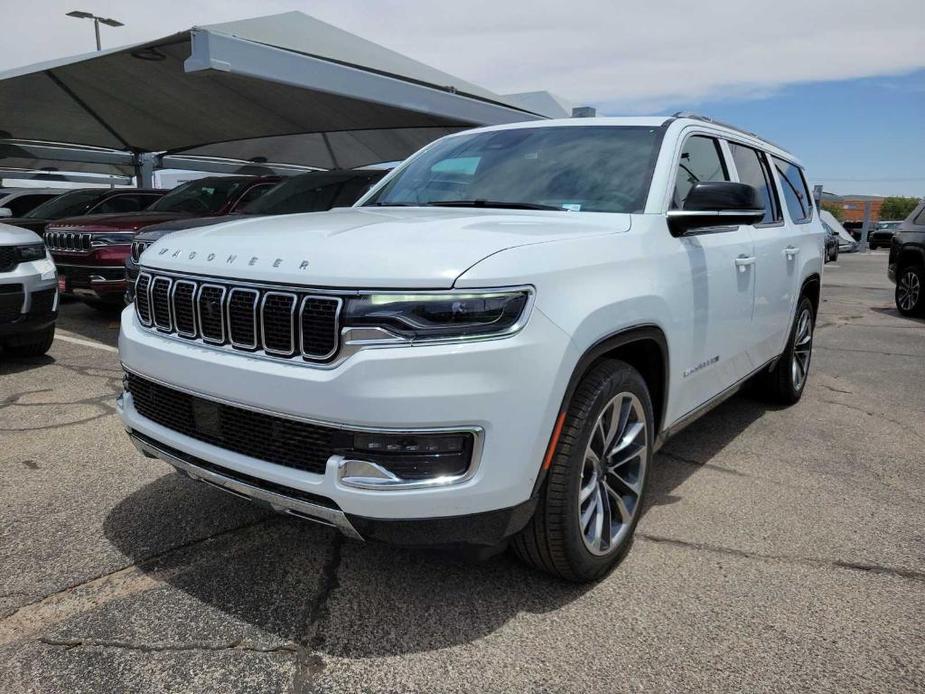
(492, 343)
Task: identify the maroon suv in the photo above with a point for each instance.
(90, 251)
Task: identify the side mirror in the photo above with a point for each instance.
(5, 212)
(716, 204)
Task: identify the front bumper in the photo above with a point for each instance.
(37, 310)
(508, 389)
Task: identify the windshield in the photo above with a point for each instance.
(314, 193)
(77, 202)
(204, 196)
(579, 168)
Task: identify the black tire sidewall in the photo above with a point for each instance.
(623, 378)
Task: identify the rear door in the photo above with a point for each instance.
(720, 263)
(775, 267)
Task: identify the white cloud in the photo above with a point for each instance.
(621, 56)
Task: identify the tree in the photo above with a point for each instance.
(835, 210)
(897, 207)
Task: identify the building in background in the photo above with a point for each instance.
(852, 206)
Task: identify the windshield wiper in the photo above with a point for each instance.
(493, 203)
(394, 204)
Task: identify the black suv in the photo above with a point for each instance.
(907, 263)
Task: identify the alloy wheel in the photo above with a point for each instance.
(612, 475)
(907, 294)
(802, 349)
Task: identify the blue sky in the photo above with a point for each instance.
(862, 136)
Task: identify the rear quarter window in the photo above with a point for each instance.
(798, 201)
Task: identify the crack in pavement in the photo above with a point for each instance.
(674, 457)
(868, 351)
(308, 662)
(235, 645)
(910, 574)
(119, 583)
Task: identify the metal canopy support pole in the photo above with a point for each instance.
(145, 163)
(865, 228)
(215, 51)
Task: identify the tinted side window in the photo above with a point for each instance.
(753, 169)
(120, 203)
(920, 218)
(24, 203)
(796, 194)
(251, 195)
(701, 160)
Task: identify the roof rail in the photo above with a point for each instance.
(707, 119)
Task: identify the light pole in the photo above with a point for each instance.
(96, 23)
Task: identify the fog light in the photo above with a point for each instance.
(415, 457)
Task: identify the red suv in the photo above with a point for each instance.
(90, 251)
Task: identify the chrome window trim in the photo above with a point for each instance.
(292, 323)
(242, 345)
(221, 303)
(337, 311)
(173, 304)
(169, 327)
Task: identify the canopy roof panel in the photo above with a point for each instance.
(261, 78)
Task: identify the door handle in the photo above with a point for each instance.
(744, 261)
(791, 252)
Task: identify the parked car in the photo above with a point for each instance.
(882, 234)
(15, 202)
(315, 191)
(846, 244)
(90, 251)
(28, 294)
(831, 243)
(906, 264)
(85, 201)
(492, 343)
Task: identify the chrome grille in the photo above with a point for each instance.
(68, 241)
(142, 300)
(138, 247)
(283, 324)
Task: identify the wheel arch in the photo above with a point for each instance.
(645, 348)
(910, 255)
(812, 288)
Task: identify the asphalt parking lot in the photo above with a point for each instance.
(782, 550)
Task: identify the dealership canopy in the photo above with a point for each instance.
(280, 89)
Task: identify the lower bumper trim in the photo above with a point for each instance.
(278, 502)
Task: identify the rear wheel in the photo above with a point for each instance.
(593, 494)
(785, 382)
(910, 283)
(34, 345)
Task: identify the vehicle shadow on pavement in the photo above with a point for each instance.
(893, 312)
(10, 365)
(692, 449)
(304, 584)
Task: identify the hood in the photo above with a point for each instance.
(400, 247)
(155, 231)
(10, 235)
(118, 220)
(36, 225)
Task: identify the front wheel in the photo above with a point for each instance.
(593, 494)
(34, 345)
(910, 299)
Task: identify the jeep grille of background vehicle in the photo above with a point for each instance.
(138, 247)
(288, 442)
(68, 241)
(281, 324)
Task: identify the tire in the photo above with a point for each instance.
(872, 246)
(556, 540)
(835, 254)
(784, 384)
(34, 345)
(910, 290)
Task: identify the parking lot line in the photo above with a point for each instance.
(66, 337)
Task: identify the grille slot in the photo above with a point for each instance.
(142, 299)
(318, 318)
(210, 308)
(43, 301)
(184, 307)
(160, 303)
(242, 317)
(290, 324)
(11, 301)
(278, 328)
(8, 258)
(287, 442)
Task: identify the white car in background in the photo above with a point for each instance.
(846, 243)
(492, 343)
(28, 293)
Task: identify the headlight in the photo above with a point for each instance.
(113, 239)
(440, 315)
(34, 251)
